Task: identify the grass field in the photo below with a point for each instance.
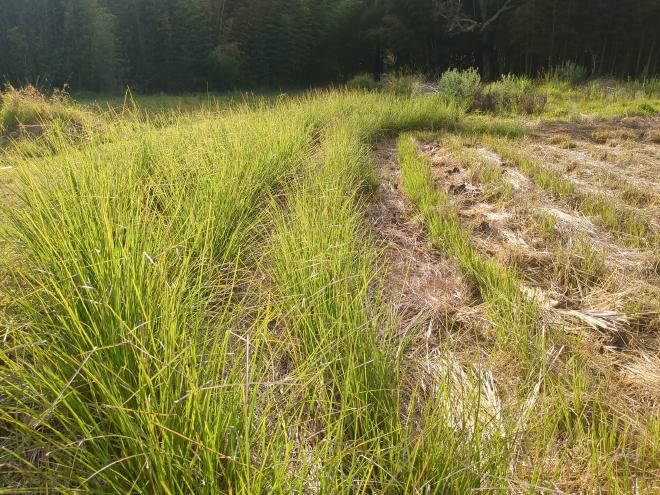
(331, 292)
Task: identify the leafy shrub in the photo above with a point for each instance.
(403, 84)
(28, 111)
(463, 85)
(511, 94)
(569, 72)
(363, 82)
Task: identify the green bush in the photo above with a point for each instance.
(569, 72)
(403, 84)
(511, 94)
(463, 85)
(364, 81)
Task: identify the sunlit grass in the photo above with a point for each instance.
(193, 304)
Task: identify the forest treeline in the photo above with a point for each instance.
(176, 45)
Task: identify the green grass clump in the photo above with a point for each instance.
(599, 98)
(129, 372)
(568, 72)
(363, 82)
(30, 111)
(511, 95)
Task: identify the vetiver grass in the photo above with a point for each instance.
(132, 269)
(514, 318)
(325, 272)
(200, 312)
(618, 218)
(141, 365)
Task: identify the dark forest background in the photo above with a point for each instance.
(192, 45)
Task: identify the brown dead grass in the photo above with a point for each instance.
(426, 290)
(587, 281)
(600, 301)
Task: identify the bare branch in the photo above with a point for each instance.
(452, 12)
(458, 21)
(508, 5)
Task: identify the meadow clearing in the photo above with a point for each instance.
(386, 291)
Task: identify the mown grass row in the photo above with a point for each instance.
(568, 418)
(514, 319)
(635, 227)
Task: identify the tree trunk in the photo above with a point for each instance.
(485, 45)
(486, 57)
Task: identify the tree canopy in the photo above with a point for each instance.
(177, 45)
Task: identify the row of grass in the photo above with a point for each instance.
(377, 435)
(147, 356)
(133, 253)
(570, 404)
(200, 312)
(634, 226)
(514, 318)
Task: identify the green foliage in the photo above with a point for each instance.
(463, 85)
(189, 45)
(29, 112)
(569, 72)
(511, 94)
(363, 82)
(402, 83)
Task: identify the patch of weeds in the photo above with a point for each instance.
(579, 266)
(27, 112)
(479, 125)
(545, 223)
(568, 72)
(636, 196)
(563, 141)
(461, 85)
(634, 225)
(642, 308)
(403, 84)
(604, 136)
(363, 82)
(511, 94)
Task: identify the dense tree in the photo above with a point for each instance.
(177, 45)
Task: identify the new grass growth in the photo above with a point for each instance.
(514, 318)
(196, 306)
